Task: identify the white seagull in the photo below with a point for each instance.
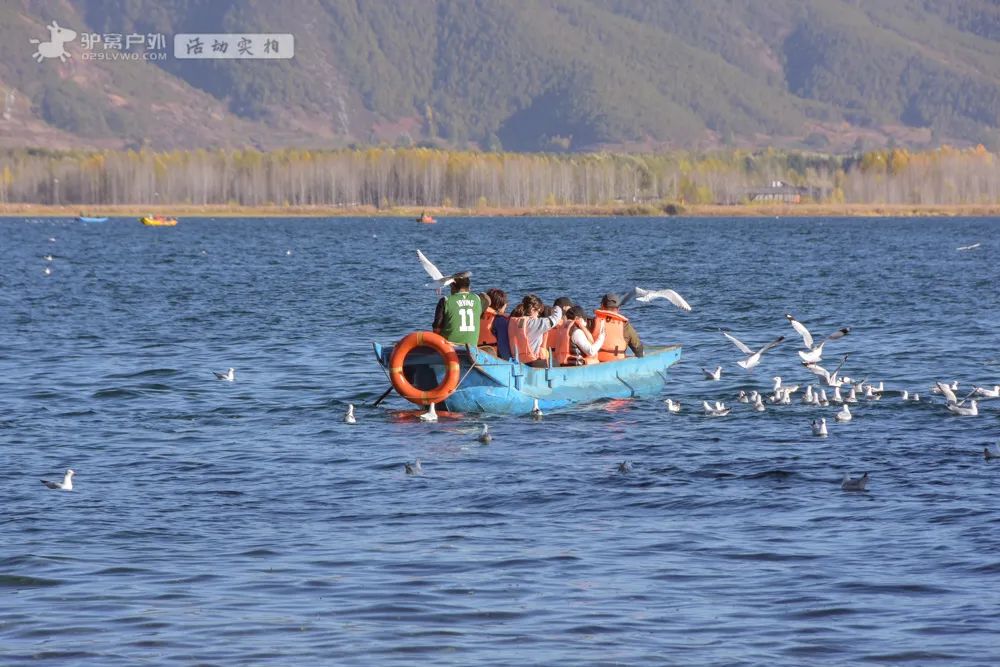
(349, 417)
(47, 271)
(845, 414)
(969, 247)
(856, 484)
(645, 296)
(484, 435)
(672, 406)
(962, 411)
(819, 427)
(48, 258)
(713, 375)
(536, 412)
(831, 379)
(430, 415)
(989, 393)
(228, 376)
(754, 357)
(65, 485)
(717, 410)
(816, 353)
(435, 273)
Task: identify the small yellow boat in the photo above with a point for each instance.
(158, 221)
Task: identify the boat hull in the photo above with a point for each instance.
(158, 222)
(83, 218)
(497, 386)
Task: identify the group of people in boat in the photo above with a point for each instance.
(533, 332)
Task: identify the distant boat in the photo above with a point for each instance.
(87, 218)
(158, 221)
(426, 218)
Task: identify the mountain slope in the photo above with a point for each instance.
(540, 75)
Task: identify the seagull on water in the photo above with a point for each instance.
(48, 258)
(989, 393)
(713, 375)
(413, 468)
(47, 271)
(962, 411)
(430, 415)
(65, 485)
(349, 417)
(625, 467)
(845, 414)
(646, 296)
(228, 376)
(991, 452)
(855, 484)
(754, 357)
(439, 279)
(672, 406)
(536, 412)
(758, 405)
(484, 435)
(819, 427)
(717, 410)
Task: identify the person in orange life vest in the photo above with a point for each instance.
(526, 331)
(572, 342)
(457, 316)
(619, 333)
(498, 304)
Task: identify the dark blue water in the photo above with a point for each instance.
(244, 523)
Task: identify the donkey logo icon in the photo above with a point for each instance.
(54, 48)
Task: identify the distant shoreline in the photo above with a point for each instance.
(610, 210)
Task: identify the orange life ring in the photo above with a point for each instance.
(440, 345)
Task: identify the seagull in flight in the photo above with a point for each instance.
(228, 376)
(754, 357)
(831, 379)
(969, 247)
(65, 485)
(646, 296)
(439, 279)
(815, 351)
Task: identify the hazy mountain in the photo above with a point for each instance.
(521, 74)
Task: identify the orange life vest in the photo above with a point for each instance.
(566, 353)
(518, 334)
(614, 334)
(486, 336)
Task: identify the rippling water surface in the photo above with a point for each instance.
(244, 523)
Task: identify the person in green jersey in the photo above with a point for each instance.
(457, 315)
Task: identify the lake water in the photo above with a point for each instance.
(244, 523)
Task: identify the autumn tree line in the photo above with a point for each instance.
(388, 177)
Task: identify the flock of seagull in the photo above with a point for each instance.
(781, 394)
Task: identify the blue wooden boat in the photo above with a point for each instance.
(498, 386)
(87, 218)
